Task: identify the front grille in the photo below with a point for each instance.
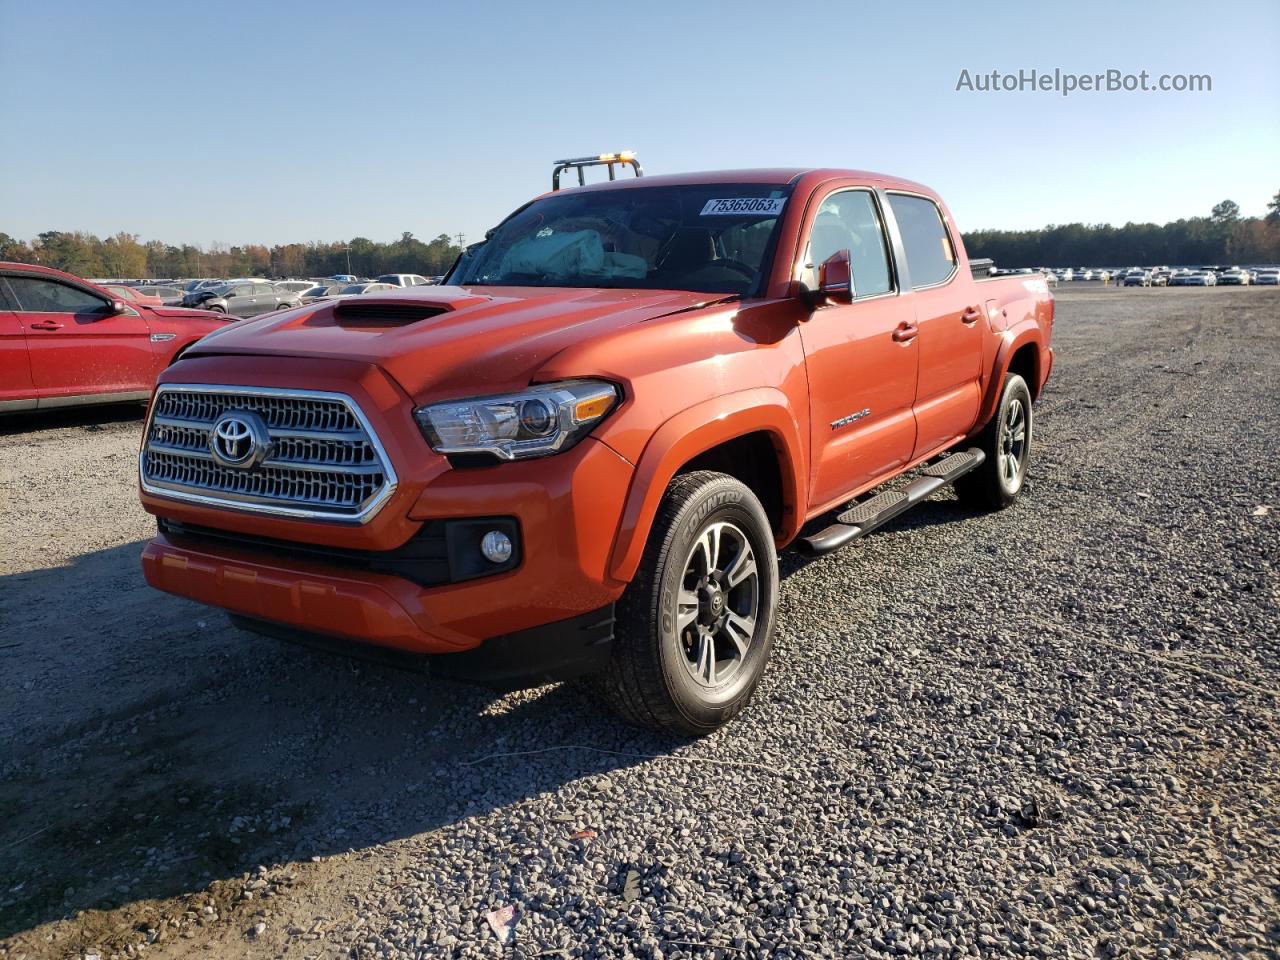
(323, 460)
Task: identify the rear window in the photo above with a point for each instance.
(931, 259)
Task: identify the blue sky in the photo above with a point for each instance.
(275, 122)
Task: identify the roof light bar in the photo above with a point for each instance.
(626, 158)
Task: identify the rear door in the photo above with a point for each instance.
(76, 346)
(241, 302)
(861, 356)
(947, 312)
(268, 297)
(17, 391)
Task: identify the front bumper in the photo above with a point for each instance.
(567, 508)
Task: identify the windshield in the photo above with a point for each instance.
(355, 288)
(708, 238)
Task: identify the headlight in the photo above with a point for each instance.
(536, 422)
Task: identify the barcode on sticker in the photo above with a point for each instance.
(753, 206)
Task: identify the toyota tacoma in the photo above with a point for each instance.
(581, 454)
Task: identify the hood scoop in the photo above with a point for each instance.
(385, 314)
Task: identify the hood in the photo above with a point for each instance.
(454, 341)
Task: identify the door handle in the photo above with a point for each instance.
(906, 332)
(46, 325)
(971, 315)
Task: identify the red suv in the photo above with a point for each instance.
(64, 341)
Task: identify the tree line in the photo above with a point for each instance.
(1223, 237)
(125, 256)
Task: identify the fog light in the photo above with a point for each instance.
(496, 546)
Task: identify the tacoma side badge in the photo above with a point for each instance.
(851, 418)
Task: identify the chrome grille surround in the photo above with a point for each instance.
(325, 463)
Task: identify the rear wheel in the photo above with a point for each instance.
(695, 627)
(1006, 441)
(217, 309)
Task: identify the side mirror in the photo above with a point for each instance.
(115, 308)
(835, 278)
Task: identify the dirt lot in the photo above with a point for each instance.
(1048, 732)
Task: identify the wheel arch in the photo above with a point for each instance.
(1020, 353)
(751, 435)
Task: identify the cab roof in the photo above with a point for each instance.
(787, 175)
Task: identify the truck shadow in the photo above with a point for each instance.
(150, 750)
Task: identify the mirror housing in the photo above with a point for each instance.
(835, 278)
(115, 308)
(835, 281)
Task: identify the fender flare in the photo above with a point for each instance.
(694, 431)
(1011, 341)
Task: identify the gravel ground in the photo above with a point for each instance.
(1047, 732)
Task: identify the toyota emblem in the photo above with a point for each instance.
(239, 439)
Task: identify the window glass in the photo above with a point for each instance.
(930, 256)
(850, 221)
(263, 288)
(48, 296)
(662, 237)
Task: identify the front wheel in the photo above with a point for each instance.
(1006, 441)
(695, 626)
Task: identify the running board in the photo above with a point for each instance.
(866, 516)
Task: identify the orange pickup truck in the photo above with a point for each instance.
(583, 451)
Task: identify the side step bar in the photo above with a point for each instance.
(866, 516)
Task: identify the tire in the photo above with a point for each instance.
(676, 665)
(1006, 441)
(218, 309)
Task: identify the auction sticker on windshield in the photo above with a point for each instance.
(757, 206)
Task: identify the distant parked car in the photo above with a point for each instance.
(245, 299)
(356, 289)
(131, 295)
(344, 278)
(1268, 278)
(1202, 278)
(1235, 277)
(403, 279)
(1084, 275)
(1137, 278)
(320, 292)
(170, 296)
(294, 286)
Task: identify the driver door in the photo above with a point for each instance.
(861, 356)
(77, 347)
